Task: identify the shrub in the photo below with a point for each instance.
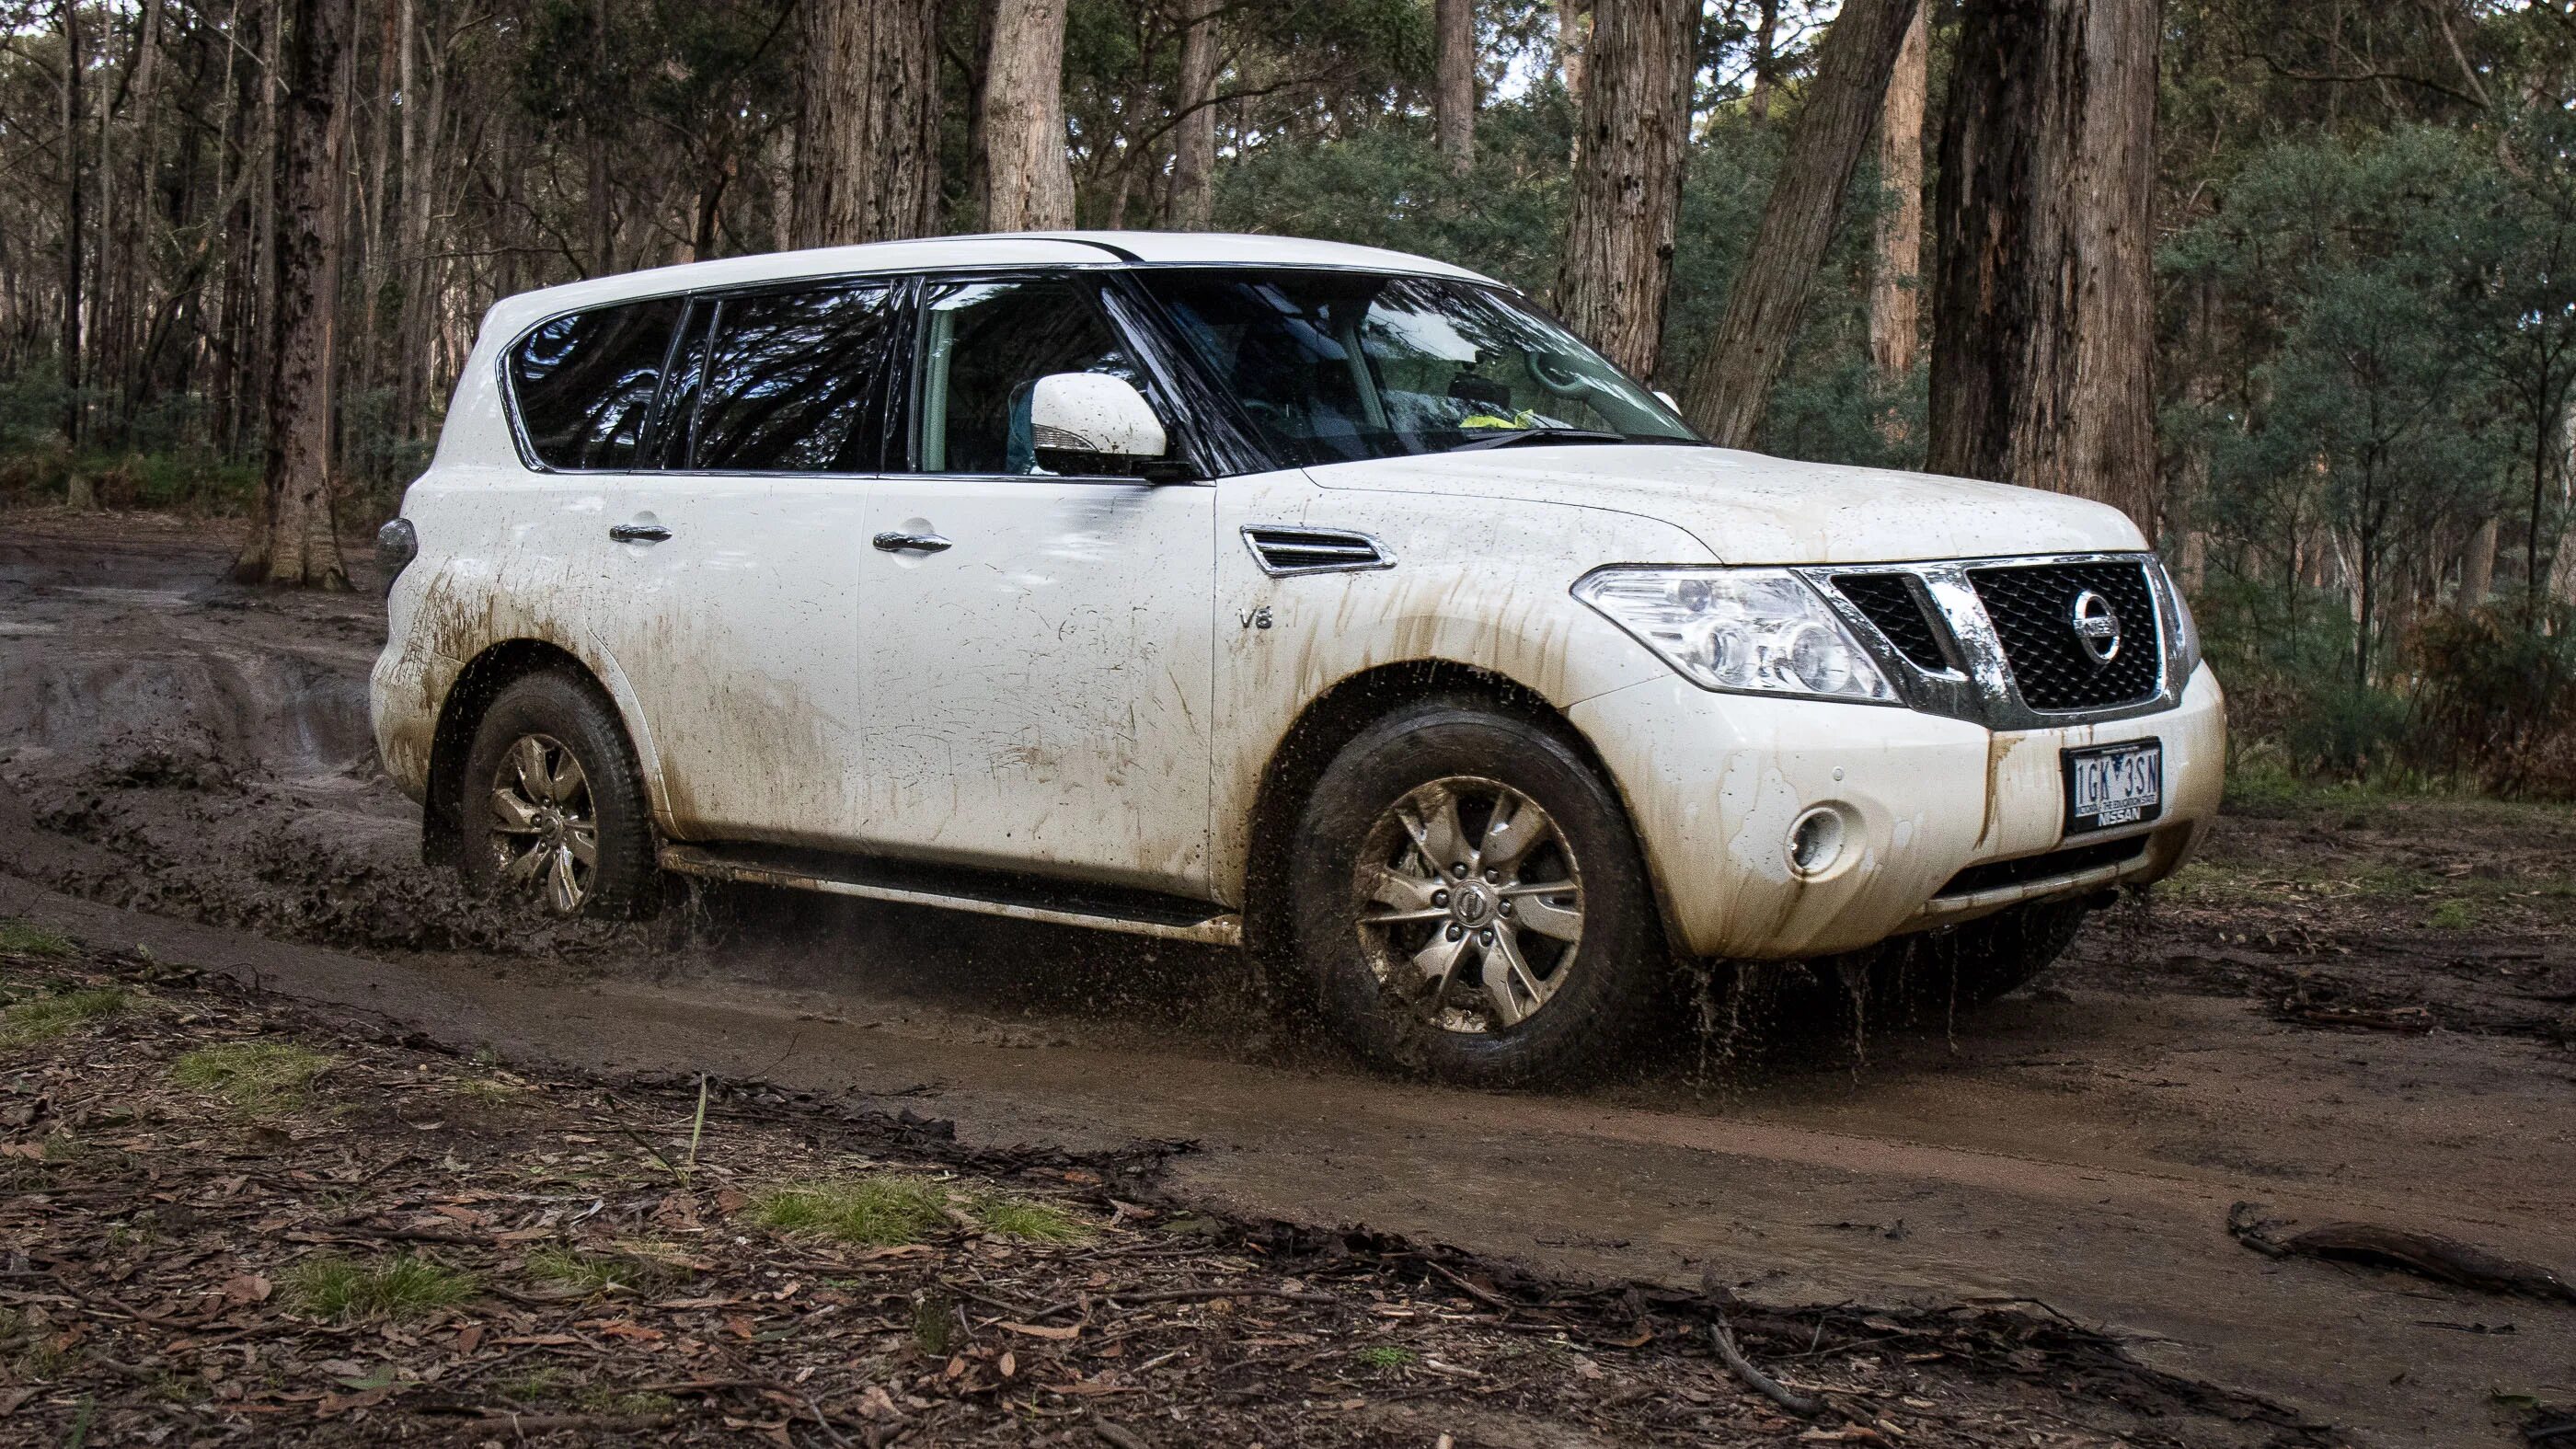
(2495, 698)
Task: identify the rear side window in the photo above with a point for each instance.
(792, 381)
(585, 382)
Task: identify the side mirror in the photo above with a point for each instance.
(1666, 399)
(1092, 422)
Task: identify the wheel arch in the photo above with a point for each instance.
(1332, 720)
(460, 715)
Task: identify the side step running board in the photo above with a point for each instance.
(1019, 897)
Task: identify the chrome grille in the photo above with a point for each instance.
(2034, 609)
(1282, 549)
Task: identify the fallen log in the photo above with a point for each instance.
(2427, 1255)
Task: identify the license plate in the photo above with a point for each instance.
(2113, 785)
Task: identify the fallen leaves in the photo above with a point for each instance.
(329, 1276)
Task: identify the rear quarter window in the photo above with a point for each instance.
(583, 383)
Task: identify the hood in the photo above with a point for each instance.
(1752, 509)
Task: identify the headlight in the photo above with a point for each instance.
(2186, 628)
(1758, 630)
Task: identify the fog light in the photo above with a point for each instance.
(1816, 841)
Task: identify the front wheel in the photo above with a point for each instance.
(553, 804)
(1471, 902)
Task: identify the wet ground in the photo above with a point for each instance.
(2351, 1009)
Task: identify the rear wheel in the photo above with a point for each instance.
(553, 804)
(1471, 903)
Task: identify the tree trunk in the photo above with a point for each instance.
(75, 64)
(1896, 278)
(1573, 49)
(1453, 23)
(1730, 385)
(1629, 150)
(294, 540)
(867, 146)
(1028, 182)
(2043, 323)
(1191, 204)
(1766, 59)
(2477, 563)
(263, 330)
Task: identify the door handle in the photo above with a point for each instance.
(911, 542)
(638, 532)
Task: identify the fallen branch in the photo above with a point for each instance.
(558, 1423)
(2427, 1255)
(1770, 1388)
(1116, 1434)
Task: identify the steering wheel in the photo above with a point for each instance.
(1551, 373)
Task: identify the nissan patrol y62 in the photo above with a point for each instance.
(1327, 600)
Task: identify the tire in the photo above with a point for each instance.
(1988, 957)
(524, 814)
(1582, 1002)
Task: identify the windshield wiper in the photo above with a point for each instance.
(1523, 435)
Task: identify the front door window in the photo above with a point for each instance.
(984, 346)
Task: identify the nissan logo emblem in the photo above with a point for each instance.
(2097, 626)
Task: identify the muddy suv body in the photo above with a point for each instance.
(1246, 590)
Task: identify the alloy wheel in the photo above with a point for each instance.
(1470, 900)
(545, 833)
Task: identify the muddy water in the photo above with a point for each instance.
(174, 751)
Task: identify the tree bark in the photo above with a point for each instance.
(1573, 47)
(1453, 23)
(295, 540)
(1730, 385)
(75, 65)
(1896, 277)
(1766, 59)
(2043, 324)
(1028, 180)
(1191, 204)
(1629, 150)
(2477, 563)
(867, 143)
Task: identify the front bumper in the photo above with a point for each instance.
(1715, 783)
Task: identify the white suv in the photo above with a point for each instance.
(1236, 589)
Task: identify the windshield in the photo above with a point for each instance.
(1338, 366)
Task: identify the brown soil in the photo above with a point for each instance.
(603, 1262)
(2349, 1010)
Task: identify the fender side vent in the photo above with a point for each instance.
(1282, 550)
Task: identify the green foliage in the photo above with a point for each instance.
(890, 1209)
(2363, 427)
(1386, 185)
(404, 1286)
(256, 1077)
(634, 1268)
(2452, 916)
(2495, 699)
(881, 1210)
(1028, 1219)
(43, 1018)
(22, 938)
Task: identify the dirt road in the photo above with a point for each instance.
(2356, 1010)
